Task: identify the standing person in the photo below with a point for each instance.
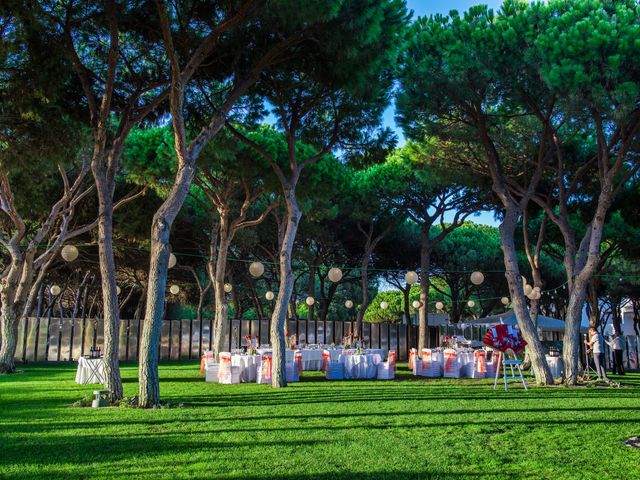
(596, 344)
(617, 345)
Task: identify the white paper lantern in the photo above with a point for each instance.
(172, 260)
(477, 278)
(55, 290)
(411, 277)
(528, 289)
(118, 290)
(256, 269)
(174, 289)
(384, 305)
(269, 295)
(416, 304)
(310, 300)
(439, 306)
(348, 304)
(335, 275)
(69, 253)
(505, 300)
(228, 287)
(471, 304)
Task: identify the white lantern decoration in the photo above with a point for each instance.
(411, 277)
(69, 253)
(174, 289)
(172, 260)
(505, 300)
(335, 275)
(348, 304)
(118, 290)
(228, 287)
(55, 290)
(310, 300)
(384, 305)
(256, 269)
(269, 295)
(528, 289)
(416, 304)
(439, 306)
(477, 278)
(471, 304)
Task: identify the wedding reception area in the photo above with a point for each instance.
(348, 239)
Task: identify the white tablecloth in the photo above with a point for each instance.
(555, 365)
(90, 370)
(360, 366)
(248, 365)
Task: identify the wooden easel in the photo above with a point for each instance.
(512, 363)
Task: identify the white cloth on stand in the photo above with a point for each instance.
(90, 371)
(360, 366)
(247, 365)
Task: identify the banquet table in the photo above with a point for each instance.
(360, 366)
(248, 365)
(90, 370)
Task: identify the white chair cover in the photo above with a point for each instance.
(228, 374)
(387, 370)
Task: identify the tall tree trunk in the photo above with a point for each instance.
(538, 360)
(9, 338)
(285, 290)
(149, 386)
(364, 284)
(423, 313)
(221, 318)
(110, 303)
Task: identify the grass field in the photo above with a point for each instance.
(317, 430)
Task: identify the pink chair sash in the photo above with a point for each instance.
(392, 360)
(326, 358)
(267, 364)
(412, 358)
(297, 358)
(426, 357)
(225, 365)
(481, 361)
(450, 357)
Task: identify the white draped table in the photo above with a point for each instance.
(555, 365)
(248, 365)
(90, 370)
(360, 366)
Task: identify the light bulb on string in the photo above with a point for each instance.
(69, 253)
(172, 260)
(174, 289)
(477, 278)
(505, 300)
(269, 295)
(335, 275)
(416, 304)
(439, 306)
(384, 305)
(55, 290)
(411, 277)
(471, 304)
(228, 288)
(310, 300)
(348, 304)
(256, 269)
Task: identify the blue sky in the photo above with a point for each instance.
(430, 7)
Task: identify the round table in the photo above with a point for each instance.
(247, 365)
(360, 366)
(90, 370)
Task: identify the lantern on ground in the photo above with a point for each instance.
(477, 278)
(411, 277)
(335, 275)
(471, 304)
(384, 305)
(172, 260)
(310, 300)
(416, 304)
(505, 300)
(256, 269)
(348, 304)
(55, 290)
(174, 289)
(228, 287)
(269, 295)
(439, 306)
(69, 253)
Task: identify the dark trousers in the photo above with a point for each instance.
(598, 359)
(618, 365)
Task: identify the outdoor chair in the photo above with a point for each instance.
(209, 367)
(227, 373)
(387, 370)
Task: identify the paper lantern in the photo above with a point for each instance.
(69, 253)
(348, 304)
(505, 300)
(172, 260)
(471, 304)
(411, 277)
(439, 306)
(118, 290)
(477, 278)
(269, 295)
(528, 289)
(174, 289)
(55, 290)
(335, 275)
(416, 304)
(256, 269)
(310, 300)
(384, 305)
(228, 287)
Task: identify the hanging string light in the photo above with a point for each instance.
(439, 306)
(471, 304)
(172, 260)
(505, 300)
(477, 278)
(348, 304)
(174, 289)
(256, 269)
(416, 304)
(310, 300)
(228, 288)
(269, 295)
(335, 275)
(411, 277)
(384, 305)
(55, 290)
(118, 290)
(69, 253)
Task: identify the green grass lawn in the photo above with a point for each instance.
(315, 429)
